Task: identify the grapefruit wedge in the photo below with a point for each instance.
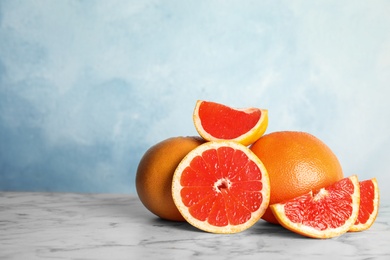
(369, 205)
(221, 187)
(326, 213)
(215, 122)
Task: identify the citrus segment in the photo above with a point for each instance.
(369, 205)
(325, 213)
(221, 187)
(215, 122)
(296, 162)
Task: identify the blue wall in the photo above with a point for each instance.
(87, 86)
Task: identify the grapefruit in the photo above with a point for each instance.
(369, 205)
(155, 171)
(221, 187)
(215, 122)
(296, 162)
(325, 213)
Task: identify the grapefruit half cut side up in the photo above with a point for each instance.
(326, 213)
(221, 187)
(369, 205)
(215, 122)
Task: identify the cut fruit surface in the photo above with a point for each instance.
(215, 122)
(221, 187)
(369, 205)
(326, 213)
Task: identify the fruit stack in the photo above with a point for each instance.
(232, 175)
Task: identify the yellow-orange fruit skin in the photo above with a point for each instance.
(155, 171)
(297, 162)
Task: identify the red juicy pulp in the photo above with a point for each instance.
(367, 195)
(330, 210)
(222, 187)
(226, 123)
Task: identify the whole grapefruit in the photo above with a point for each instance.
(155, 172)
(296, 162)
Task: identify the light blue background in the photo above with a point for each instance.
(86, 87)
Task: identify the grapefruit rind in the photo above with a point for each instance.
(154, 174)
(364, 226)
(205, 225)
(297, 162)
(299, 228)
(246, 138)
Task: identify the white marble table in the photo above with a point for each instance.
(102, 226)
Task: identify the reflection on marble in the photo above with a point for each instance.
(107, 226)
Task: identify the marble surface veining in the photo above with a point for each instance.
(107, 226)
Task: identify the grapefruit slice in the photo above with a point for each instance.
(326, 213)
(369, 205)
(221, 187)
(215, 122)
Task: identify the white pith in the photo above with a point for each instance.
(223, 181)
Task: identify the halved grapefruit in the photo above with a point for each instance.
(369, 205)
(221, 187)
(215, 122)
(326, 213)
